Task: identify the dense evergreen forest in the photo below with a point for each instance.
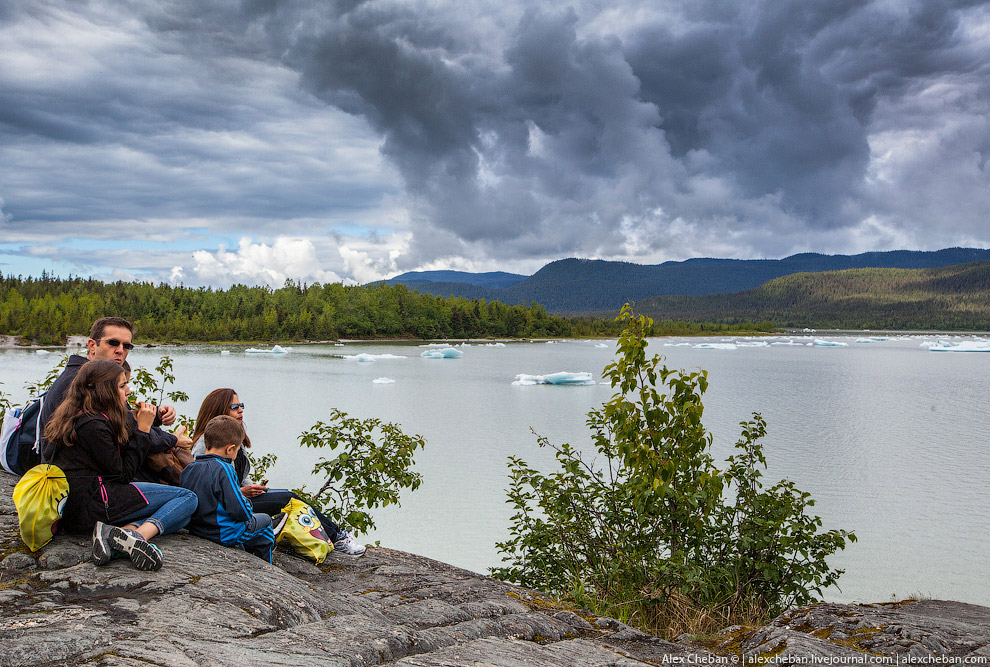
(952, 298)
(47, 309)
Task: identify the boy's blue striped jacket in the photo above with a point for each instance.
(223, 511)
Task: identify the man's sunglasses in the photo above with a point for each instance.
(113, 342)
(237, 406)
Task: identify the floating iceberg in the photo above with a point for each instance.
(494, 344)
(276, 349)
(563, 378)
(42, 352)
(788, 343)
(224, 353)
(753, 343)
(445, 353)
(829, 343)
(383, 380)
(365, 357)
(715, 346)
(872, 339)
(965, 346)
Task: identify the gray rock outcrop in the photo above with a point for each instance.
(211, 605)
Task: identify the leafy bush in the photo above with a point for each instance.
(657, 525)
(370, 471)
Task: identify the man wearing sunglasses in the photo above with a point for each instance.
(109, 340)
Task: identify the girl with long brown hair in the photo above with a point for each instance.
(224, 401)
(93, 441)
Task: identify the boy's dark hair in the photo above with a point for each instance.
(96, 332)
(222, 431)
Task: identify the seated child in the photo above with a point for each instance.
(224, 515)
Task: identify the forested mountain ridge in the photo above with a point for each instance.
(945, 298)
(495, 279)
(585, 285)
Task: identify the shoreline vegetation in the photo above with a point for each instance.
(47, 310)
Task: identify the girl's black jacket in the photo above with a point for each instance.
(99, 471)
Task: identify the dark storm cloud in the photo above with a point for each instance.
(547, 136)
(518, 130)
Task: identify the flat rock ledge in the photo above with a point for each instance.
(215, 606)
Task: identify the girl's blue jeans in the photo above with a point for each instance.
(169, 507)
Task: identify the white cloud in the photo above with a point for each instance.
(260, 263)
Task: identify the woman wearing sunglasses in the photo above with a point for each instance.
(225, 401)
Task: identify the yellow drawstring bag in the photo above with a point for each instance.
(40, 498)
(304, 532)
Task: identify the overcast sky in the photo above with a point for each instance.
(250, 141)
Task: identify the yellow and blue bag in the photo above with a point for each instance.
(40, 498)
(304, 532)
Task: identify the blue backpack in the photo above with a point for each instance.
(20, 437)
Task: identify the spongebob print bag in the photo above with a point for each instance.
(40, 498)
(304, 532)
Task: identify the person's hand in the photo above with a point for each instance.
(181, 439)
(167, 413)
(252, 490)
(145, 415)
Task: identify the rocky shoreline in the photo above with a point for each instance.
(215, 606)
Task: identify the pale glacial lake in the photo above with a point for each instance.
(892, 440)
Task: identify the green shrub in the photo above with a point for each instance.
(655, 523)
(370, 471)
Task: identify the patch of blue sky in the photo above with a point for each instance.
(359, 230)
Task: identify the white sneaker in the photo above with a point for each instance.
(349, 546)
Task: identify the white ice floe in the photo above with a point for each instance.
(276, 349)
(365, 357)
(383, 380)
(42, 352)
(829, 343)
(872, 339)
(561, 378)
(716, 346)
(494, 344)
(753, 343)
(224, 353)
(445, 353)
(788, 343)
(964, 346)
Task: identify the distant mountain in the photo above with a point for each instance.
(494, 279)
(585, 285)
(944, 298)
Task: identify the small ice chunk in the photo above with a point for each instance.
(224, 353)
(829, 343)
(964, 346)
(365, 357)
(42, 352)
(445, 353)
(276, 349)
(753, 343)
(561, 378)
(715, 346)
(383, 380)
(601, 345)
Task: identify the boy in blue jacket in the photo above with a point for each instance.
(224, 515)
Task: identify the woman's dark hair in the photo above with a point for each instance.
(216, 403)
(93, 391)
